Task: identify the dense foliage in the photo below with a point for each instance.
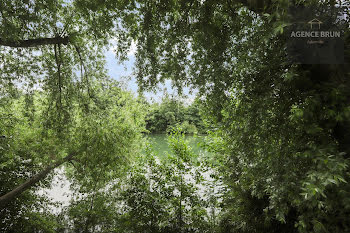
(163, 195)
(282, 136)
(102, 136)
(175, 194)
(172, 112)
(284, 141)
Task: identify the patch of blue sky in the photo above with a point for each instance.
(124, 74)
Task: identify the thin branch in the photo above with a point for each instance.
(82, 64)
(58, 63)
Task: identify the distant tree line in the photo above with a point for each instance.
(172, 112)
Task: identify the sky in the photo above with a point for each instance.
(124, 74)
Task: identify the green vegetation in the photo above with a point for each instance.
(94, 144)
(152, 196)
(279, 132)
(170, 113)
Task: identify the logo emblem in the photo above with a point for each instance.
(315, 22)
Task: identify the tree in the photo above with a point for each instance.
(49, 46)
(284, 125)
(96, 146)
(57, 47)
(29, 211)
(172, 112)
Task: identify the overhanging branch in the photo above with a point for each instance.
(35, 42)
(6, 198)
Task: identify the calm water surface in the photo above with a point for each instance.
(160, 144)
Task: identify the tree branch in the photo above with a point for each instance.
(58, 63)
(35, 42)
(5, 199)
(82, 64)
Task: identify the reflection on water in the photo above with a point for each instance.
(60, 191)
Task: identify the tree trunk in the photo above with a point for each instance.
(5, 199)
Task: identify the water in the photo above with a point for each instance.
(210, 185)
(160, 144)
(61, 192)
